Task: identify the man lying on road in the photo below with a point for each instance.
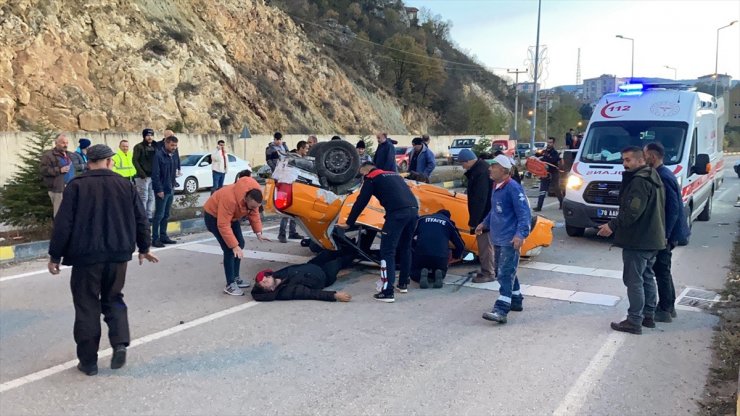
(297, 282)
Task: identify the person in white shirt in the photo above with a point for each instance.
(219, 166)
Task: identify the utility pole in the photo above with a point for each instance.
(536, 69)
(516, 96)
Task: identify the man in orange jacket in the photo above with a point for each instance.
(223, 210)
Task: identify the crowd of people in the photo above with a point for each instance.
(106, 204)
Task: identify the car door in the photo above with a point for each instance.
(203, 173)
(235, 166)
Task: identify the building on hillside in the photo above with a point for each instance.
(595, 88)
(413, 14)
(733, 107)
(527, 87)
(723, 80)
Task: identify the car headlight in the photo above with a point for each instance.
(574, 182)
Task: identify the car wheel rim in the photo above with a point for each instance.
(190, 186)
(337, 161)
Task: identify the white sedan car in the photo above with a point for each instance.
(196, 172)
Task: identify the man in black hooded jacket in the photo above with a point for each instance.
(300, 282)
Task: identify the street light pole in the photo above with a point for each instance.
(632, 72)
(675, 71)
(716, 56)
(536, 70)
(516, 96)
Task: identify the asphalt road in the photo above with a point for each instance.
(198, 351)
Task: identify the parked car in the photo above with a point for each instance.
(299, 190)
(196, 171)
(459, 144)
(539, 148)
(523, 150)
(403, 157)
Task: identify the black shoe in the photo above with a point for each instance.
(439, 279)
(282, 239)
(424, 279)
(517, 304)
(168, 240)
(662, 316)
(648, 322)
(119, 357)
(89, 370)
(495, 317)
(403, 287)
(384, 297)
(157, 243)
(673, 313)
(537, 209)
(295, 236)
(627, 326)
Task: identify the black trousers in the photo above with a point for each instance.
(664, 279)
(431, 263)
(97, 289)
(545, 187)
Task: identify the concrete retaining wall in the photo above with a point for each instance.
(12, 143)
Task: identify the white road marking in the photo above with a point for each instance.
(545, 292)
(155, 250)
(30, 378)
(576, 397)
(562, 268)
(249, 254)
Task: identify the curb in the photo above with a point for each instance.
(36, 249)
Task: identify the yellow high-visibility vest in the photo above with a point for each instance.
(123, 164)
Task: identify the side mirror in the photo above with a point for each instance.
(202, 164)
(702, 165)
(448, 147)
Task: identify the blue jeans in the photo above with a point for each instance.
(218, 181)
(506, 260)
(161, 216)
(232, 264)
(397, 233)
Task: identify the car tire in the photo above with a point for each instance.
(403, 167)
(706, 213)
(190, 185)
(574, 231)
(337, 161)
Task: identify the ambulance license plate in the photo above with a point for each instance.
(607, 213)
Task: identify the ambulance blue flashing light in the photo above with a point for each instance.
(631, 87)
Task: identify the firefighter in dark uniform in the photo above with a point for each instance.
(99, 224)
(431, 252)
(551, 156)
(401, 214)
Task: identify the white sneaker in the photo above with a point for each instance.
(233, 290)
(241, 283)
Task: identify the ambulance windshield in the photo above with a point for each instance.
(606, 139)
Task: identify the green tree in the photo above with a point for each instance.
(482, 146)
(562, 118)
(24, 201)
(586, 111)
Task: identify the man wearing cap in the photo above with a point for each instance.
(123, 161)
(401, 214)
(432, 238)
(143, 159)
(57, 170)
(508, 222)
(164, 168)
(479, 189)
(297, 282)
(422, 161)
(364, 157)
(223, 212)
(385, 155)
(101, 222)
(79, 156)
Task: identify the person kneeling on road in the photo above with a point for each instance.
(508, 223)
(297, 282)
(433, 235)
(223, 210)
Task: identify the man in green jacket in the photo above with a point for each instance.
(640, 230)
(123, 161)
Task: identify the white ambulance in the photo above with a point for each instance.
(684, 121)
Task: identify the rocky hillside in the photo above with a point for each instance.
(196, 65)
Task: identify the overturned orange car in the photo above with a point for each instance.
(320, 190)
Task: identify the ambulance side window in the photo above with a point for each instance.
(692, 154)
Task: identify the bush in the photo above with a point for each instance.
(482, 147)
(24, 201)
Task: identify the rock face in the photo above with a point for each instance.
(211, 66)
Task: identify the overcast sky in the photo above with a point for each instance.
(677, 33)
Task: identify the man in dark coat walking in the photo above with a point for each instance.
(479, 189)
(385, 154)
(100, 223)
